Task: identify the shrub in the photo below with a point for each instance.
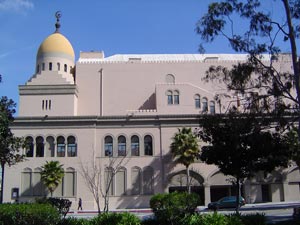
(62, 205)
(150, 221)
(174, 207)
(257, 219)
(234, 219)
(214, 219)
(28, 214)
(74, 221)
(116, 219)
(194, 219)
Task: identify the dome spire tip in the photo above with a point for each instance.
(57, 24)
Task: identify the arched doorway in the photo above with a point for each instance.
(177, 182)
(221, 186)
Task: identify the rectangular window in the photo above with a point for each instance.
(60, 150)
(176, 99)
(212, 109)
(197, 103)
(170, 99)
(72, 148)
(122, 149)
(50, 66)
(108, 149)
(135, 149)
(205, 106)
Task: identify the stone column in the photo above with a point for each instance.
(206, 194)
(286, 191)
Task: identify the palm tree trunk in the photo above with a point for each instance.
(188, 180)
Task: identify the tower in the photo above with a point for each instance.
(52, 89)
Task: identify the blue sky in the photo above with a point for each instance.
(114, 26)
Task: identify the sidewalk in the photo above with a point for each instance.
(275, 212)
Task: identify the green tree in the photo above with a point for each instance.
(10, 145)
(185, 150)
(257, 79)
(241, 145)
(52, 174)
(292, 137)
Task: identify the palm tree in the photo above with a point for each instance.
(52, 174)
(185, 150)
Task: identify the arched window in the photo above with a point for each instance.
(65, 68)
(176, 97)
(108, 146)
(135, 146)
(38, 187)
(61, 146)
(136, 180)
(72, 146)
(50, 146)
(148, 146)
(37, 68)
(109, 180)
(212, 107)
(120, 181)
(26, 177)
(58, 66)
(197, 101)
(148, 181)
(121, 146)
(204, 105)
(170, 79)
(170, 97)
(29, 147)
(39, 146)
(69, 182)
(50, 66)
(43, 66)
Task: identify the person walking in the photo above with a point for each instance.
(79, 204)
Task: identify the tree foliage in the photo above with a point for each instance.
(260, 80)
(173, 208)
(185, 149)
(10, 145)
(242, 144)
(52, 174)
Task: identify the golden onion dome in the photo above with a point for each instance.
(56, 45)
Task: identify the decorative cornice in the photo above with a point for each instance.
(48, 89)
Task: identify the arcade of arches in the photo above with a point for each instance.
(264, 187)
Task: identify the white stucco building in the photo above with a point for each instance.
(100, 109)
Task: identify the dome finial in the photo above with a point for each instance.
(57, 24)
